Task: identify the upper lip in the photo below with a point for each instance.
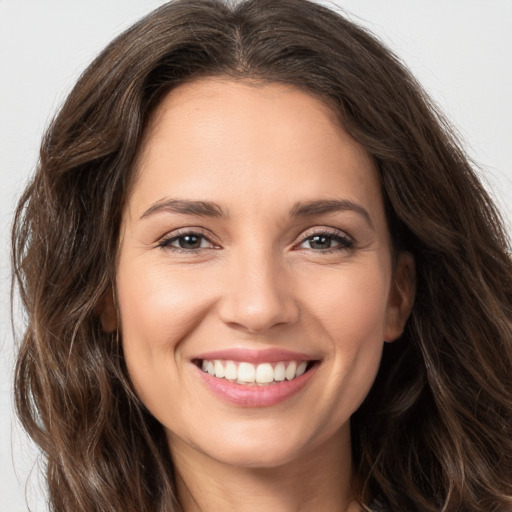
(270, 355)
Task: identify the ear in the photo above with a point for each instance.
(401, 296)
(107, 312)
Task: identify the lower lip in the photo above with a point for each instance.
(248, 395)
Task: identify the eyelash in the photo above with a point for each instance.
(166, 242)
(344, 241)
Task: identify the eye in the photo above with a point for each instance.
(326, 242)
(188, 241)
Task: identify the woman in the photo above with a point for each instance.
(260, 273)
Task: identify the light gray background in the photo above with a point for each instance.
(459, 49)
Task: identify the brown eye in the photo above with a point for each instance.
(186, 242)
(320, 242)
(326, 242)
(189, 241)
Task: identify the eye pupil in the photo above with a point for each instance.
(189, 242)
(320, 242)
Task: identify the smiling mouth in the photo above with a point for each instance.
(262, 374)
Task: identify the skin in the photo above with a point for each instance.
(256, 281)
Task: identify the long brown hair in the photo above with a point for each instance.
(435, 432)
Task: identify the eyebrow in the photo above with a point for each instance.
(198, 208)
(299, 209)
(325, 206)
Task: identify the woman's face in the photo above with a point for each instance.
(255, 284)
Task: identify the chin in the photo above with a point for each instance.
(263, 443)
(259, 455)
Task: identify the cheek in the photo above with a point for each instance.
(348, 310)
(158, 307)
(159, 302)
(350, 305)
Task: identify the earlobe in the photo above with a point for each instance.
(107, 312)
(401, 296)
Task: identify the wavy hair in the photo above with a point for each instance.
(435, 432)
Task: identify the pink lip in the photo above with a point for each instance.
(270, 355)
(253, 395)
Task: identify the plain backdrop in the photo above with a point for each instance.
(459, 49)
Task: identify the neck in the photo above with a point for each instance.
(319, 480)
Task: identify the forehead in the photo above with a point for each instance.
(218, 136)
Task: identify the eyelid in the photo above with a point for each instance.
(164, 241)
(343, 236)
(324, 230)
(329, 232)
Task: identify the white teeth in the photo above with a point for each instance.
(219, 369)
(248, 373)
(279, 372)
(231, 371)
(301, 368)
(291, 370)
(264, 373)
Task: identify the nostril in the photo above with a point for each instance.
(257, 305)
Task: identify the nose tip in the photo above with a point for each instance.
(255, 318)
(259, 300)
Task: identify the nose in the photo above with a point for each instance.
(258, 295)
